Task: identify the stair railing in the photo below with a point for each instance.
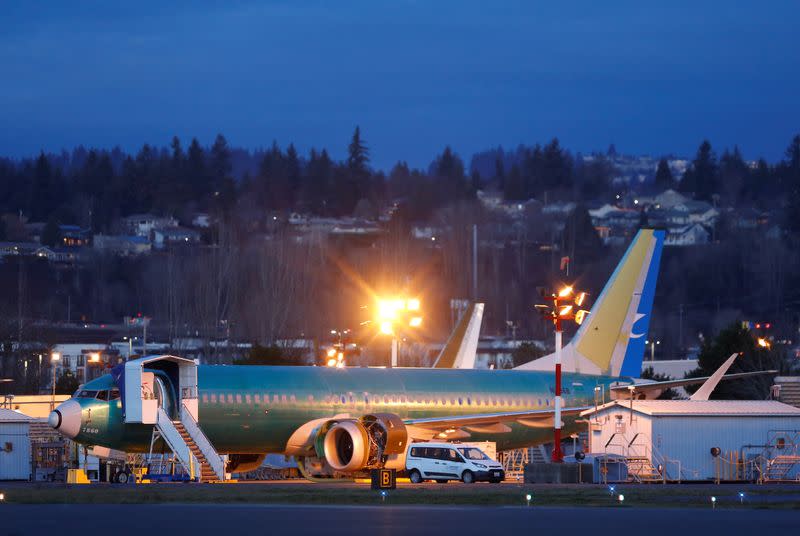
(213, 458)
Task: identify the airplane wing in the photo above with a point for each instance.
(663, 386)
(458, 427)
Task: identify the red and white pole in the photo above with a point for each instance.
(557, 455)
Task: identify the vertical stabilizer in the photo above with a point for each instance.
(612, 338)
(461, 347)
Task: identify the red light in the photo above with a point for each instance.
(767, 325)
(758, 326)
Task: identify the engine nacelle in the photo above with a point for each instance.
(352, 445)
(347, 446)
(243, 463)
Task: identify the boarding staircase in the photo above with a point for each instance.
(190, 445)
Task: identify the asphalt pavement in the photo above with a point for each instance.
(227, 519)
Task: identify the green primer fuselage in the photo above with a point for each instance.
(255, 409)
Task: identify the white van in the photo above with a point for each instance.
(451, 461)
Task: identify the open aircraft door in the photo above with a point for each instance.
(151, 382)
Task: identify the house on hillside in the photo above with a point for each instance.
(144, 224)
(690, 235)
(173, 236)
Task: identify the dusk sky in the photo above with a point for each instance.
(415, 75)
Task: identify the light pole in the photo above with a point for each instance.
(652, 348)
(55, 357)
(563, 307)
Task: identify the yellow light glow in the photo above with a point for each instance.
(331, 362)
(564, 292)
(565, 311)
(55, 356)
(331, 352)
(386, 328)
(94, 357)
(580, 316)
(385, 310)
(415, 322)
(340, 364)
(764, 343)
(340, 356)
(413, 304)
(580, 298)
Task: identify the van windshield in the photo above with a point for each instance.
(472, 453)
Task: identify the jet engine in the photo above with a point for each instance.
(351, 445)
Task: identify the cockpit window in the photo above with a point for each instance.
(102, 395)
(114, 395)
(84, 393)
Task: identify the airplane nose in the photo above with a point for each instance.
(66, 418)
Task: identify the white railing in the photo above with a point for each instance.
(173, 439)
(216, 461)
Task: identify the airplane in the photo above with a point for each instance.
(349, 420)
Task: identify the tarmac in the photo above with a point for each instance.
(218, 519)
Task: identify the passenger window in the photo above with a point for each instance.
(213, 398)
(414, 452)
(114, 394)
(205, 398)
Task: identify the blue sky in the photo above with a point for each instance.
(651, 77)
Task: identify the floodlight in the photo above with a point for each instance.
(415, 322)
(564, 292)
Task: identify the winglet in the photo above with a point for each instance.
(461, 347)
(710, 384)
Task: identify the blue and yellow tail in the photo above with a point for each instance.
(611, 340)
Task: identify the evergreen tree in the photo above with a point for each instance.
(701, 178)
(499, 174)
(357, 154)
(664, 179)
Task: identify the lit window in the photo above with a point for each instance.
(292, 399)
(385, 399)
(238, 399)
(230, 399)
(205, 398)
(248, 399)
(213, 398)
(283, 399)
(276, 399)
(257, 398)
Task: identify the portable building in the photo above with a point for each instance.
(15, 445)
(698, 439)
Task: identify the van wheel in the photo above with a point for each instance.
(415, 476)
(468, 477)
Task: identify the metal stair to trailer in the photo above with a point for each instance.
(190, 445)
